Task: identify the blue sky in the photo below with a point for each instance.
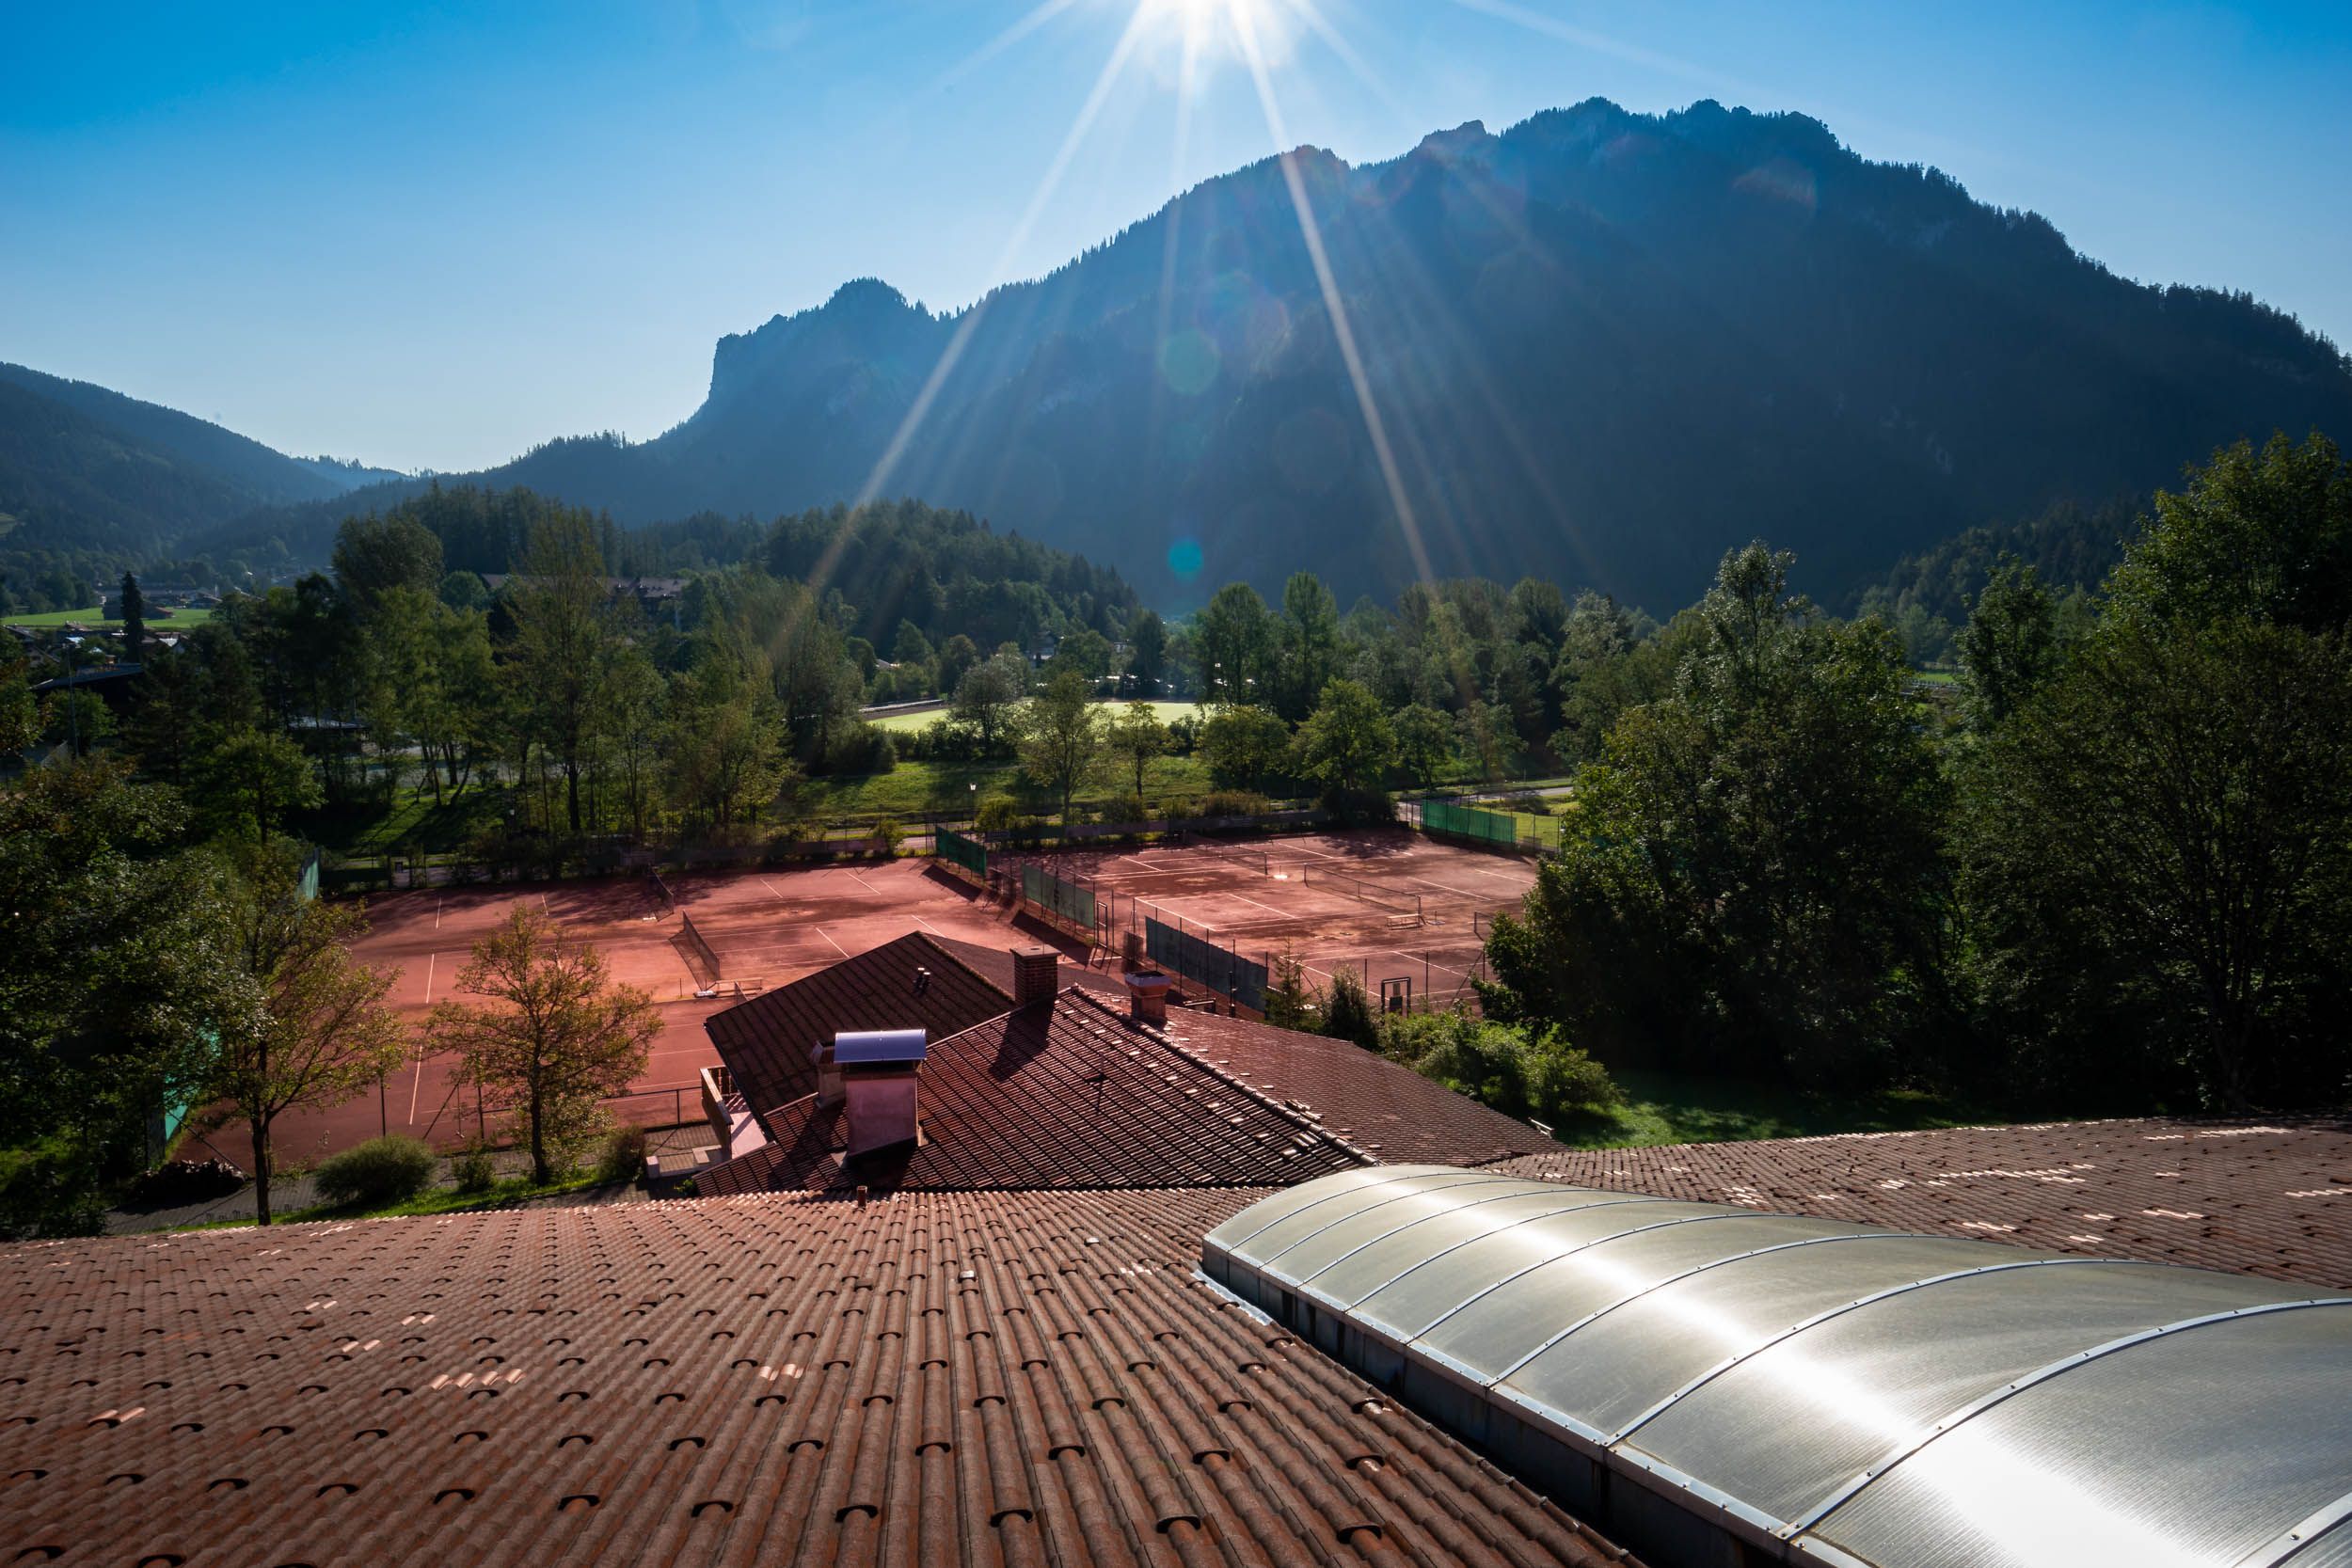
(433, 235)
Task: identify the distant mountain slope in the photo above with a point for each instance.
(85, 467)
(1605, 345)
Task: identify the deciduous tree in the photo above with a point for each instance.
(1061, 738)
(1137, 736)
(322, 1033)
(1756, 881)
(557, 1037)
(2009, 644)
(1346, 746)
(987, 694)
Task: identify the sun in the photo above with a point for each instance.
(1209, 27)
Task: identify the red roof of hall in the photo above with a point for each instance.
(1071, 1095)
(2266, 1197)
(941, 1380)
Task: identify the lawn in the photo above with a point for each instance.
(904, 722)
(371, 830)
(1665, 1108)
(912, 789)
(433, 1200)
(156, 621)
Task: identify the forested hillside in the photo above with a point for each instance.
(1927, 596)
(91, 481)
(1604, 347)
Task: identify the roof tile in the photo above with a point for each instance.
(1075, 1094)
(938, 1379)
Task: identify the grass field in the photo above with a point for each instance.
(906, 792)
(904, 722)
(946, 788)
(1664, 1108)
(87, 617)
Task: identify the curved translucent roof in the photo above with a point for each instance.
(1840, 1391)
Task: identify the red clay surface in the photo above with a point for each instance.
(772, 927)
(1302, 900)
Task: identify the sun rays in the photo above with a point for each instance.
(1180, 47)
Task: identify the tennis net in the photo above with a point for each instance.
(699, 948)
(1399, 903)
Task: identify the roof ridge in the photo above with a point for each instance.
(933, 942)
(1282, 1108)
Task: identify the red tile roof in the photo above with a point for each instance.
(2266, 1197)
(766, 1041)
(1386, 1109)
(1393, 1113)
(995, 964)
(933, 1379)
(1071, 1095)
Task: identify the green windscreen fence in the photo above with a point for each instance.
(1048, 892)
(1205, 963)
(971, 854)
(1489, 827)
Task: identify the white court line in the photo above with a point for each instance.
(862, 881)
(928, 926)
(545, 905)
(1302, 849)
(836, 946)
(777, 891)
(1457, 892)
(1425, 959)
(438, 899)
(416, 1087)
(430, 959)
(1287, 914)
(1501, 878)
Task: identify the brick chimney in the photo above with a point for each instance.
(1035, 973)
(881, 1076)
(1147, 996)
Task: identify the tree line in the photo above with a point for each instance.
(2108, 873)
(2115, 875)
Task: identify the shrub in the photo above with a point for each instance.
(624, 1156)
(1347, 1012)
(1234, 802)
(1126, 807)
(474, 1169)
(1361, 806)
(860, 748)
(889, 835)
(1288, 1005)
(945, 739)
(1500, 1064)
(1184, 734)
(382, 1171)
(997, 813)
(178, 1183)
(1566, 1082)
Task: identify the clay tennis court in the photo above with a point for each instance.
(1387, 905)
(1383, 904)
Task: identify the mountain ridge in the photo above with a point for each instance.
(1605, 345)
